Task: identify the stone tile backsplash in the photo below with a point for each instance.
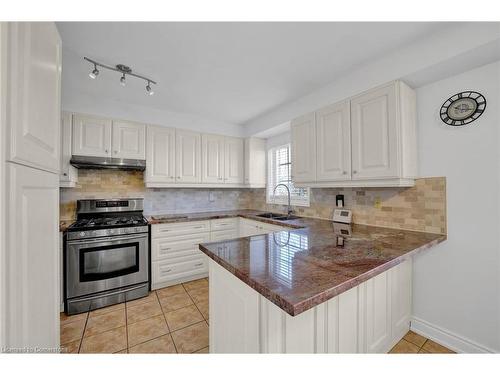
(419, 208)
(95, 184)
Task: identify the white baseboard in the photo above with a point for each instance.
(449, 339)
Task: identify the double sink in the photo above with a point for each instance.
(280, 217)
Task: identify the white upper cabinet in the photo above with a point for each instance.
(222, 159)
(188, 152)
(255, 162)
(91, 136)
(69, 174)
(129, 140)
(303, 131)
(368, 140)
(333, 142)
(234, 164)
(160, 158)
(212, 150)
(34, 95)
(374, 134)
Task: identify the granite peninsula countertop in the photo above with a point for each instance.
(301, 266)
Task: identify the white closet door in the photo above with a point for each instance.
(91, 136)
(333, 139)
(129, 140)
(188, 158)
(160, 160)
(34, 96)
(374, 134)
(234, 164)
(303, 130)
(212, 170)
(33, 268)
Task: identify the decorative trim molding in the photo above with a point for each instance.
(447, 338)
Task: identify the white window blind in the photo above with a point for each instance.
(279, 172)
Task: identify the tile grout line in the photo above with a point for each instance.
(126, 326)
(165, 319)
(83, 333)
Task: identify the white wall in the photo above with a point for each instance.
(457, 284)
(75, 101)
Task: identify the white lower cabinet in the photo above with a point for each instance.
(248, 227)
(175, 256)
(369, 318)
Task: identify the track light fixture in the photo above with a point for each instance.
(124, 70)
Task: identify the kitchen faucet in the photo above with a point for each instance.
(290, 211)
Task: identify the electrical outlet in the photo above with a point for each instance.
(377, 203)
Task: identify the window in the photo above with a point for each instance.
(279, 172)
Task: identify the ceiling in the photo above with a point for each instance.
(231, 72)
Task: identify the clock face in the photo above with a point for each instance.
(463, 108)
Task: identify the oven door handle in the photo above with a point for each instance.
(108, 239)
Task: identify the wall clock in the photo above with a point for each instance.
(463, 108)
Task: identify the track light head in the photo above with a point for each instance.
(94, 72)
(149, 90)
(122, 80)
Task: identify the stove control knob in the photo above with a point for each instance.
(82, 234)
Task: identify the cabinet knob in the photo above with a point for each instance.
(116, 152)
(354, 172)
(65, 174)
(344, 172)
(106, 151)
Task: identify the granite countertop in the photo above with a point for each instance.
(210, 215)
(302, 267)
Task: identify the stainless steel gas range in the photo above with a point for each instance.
(106, 254)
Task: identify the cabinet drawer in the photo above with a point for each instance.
(222, 235)
(192, 227)
(166, 270)
(177, 246)
(224, 224)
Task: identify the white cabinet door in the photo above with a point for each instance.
(233, 307)
(333, 139)
(129, 140)
(188, 160)
(34, 99)
(91, 136)
(377, 310)
(401, 277)
(234, 165)
(255, 162)
(212, 149)
(374, 134)
(69, 174)
(32, 318)
(303, 130)
(160, 160)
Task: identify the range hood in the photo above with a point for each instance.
(95, 162)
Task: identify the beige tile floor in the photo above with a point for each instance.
(169, 320)
(414, 343)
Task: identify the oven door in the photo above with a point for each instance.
(98, 265)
